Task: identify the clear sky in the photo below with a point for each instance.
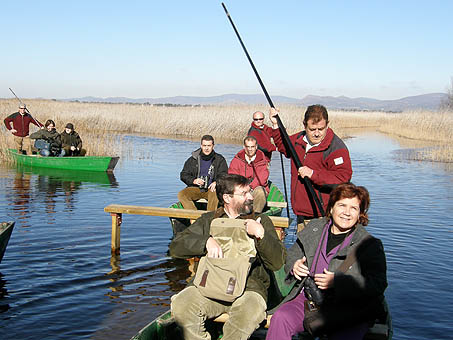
(378, 49)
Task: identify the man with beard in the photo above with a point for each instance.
(200, 173)
(189, 307)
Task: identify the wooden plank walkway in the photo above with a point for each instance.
(117, 211)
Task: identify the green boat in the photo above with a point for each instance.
(164, 326)
(65, 175)
(275, 204)
(86, 163)
(6, 228)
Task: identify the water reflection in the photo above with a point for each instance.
(50, 186)
(3, 294)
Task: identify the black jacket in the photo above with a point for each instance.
(191, 169)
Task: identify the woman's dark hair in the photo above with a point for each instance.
(48, 122)
(349, 190)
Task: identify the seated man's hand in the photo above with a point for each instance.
(255, 228)
(73, 148)
(213, 248)
(198, 181)
(212, 186)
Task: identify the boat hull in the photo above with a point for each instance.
(6, 228)
(86, 163)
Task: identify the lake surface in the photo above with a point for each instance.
(58, 279)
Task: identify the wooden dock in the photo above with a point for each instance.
(117, 211)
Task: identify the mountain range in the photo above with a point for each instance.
(429, 101)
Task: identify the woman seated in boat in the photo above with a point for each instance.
(71, 142)
(48, 140)
(348, 297)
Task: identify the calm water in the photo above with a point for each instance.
(58, 280)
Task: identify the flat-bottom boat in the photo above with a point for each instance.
(6, 228)
(85, 163)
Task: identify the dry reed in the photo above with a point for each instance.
(102, 125)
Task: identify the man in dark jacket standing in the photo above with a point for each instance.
(200, 173)
(21, 128)
(325, 161)
(263, 134)
(190, 308)
(71, 141)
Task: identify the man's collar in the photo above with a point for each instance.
(248, 159)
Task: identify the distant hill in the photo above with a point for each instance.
(429, 101)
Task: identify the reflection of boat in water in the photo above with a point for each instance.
(6, 228)
(72, 175)
(85, 163)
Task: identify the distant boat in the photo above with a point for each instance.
(86, 163)
(275, 204)
(6, 228)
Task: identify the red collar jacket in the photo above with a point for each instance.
(257, 171)
(20, 123)
(330, 163)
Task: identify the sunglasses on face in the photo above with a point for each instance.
(258, 118)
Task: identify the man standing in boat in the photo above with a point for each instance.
(189, 307)
(325, 161)
(263, 134)
(21, 128)
(253, 164)
(200, 173)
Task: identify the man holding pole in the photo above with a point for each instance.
(263, 134)
(21, 121)
(325, 161)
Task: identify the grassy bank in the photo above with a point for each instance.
(102, 125)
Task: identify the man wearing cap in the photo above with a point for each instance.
(263, 134)
(71, 141)
(21, 121)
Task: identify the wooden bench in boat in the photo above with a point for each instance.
(117, 211)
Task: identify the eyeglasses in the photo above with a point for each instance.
(244, 193)
(258, 118)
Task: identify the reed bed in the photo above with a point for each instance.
(102, 126)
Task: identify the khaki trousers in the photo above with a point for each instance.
(23, 143)
(259, 199)
(188, 195)
(191, 309)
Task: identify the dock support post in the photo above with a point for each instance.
(116, 228)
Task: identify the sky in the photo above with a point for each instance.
(152, 49)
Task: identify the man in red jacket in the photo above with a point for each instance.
(325, 161)
(253, 164)
(263, 134)
(21, 122)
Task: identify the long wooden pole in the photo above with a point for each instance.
(285, 137)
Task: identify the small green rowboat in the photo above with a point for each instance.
(164, 326)
(6, 228)
(86, 163)
(275, 204)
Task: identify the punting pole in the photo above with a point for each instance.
(282, 128)
(20, 102)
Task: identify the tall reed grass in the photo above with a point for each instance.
(102, 125)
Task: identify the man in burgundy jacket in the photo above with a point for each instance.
(253, 164)
(325, 161)
(21, 121)
(263, 134)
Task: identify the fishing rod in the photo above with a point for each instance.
(285, 137)
(26, 110)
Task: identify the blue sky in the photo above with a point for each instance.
(377, 49)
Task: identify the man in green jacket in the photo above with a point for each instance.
(189, 308)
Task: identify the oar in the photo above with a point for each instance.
(287, 141)
(26, 110)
